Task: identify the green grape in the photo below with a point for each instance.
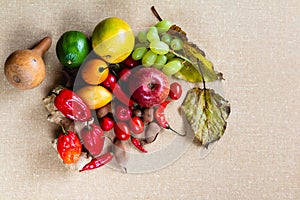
(172, 67)
(138, 53)
(152, 34)
(137, 45)
(149, 58)
(160, 61)
(142, 36)
(159, 47)
(170, 56)
(176, 44)
(163, 26)
(166, 38)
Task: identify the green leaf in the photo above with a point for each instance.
(189, 73)
(194, 60)
(206, 112)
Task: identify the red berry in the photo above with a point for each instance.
(123, 113)
(175, 91)
(121, 130)
(129, 62)
(110, 82)
(136, 125)
(107, 123)
(124, 74)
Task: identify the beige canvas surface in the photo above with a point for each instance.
(254, 43)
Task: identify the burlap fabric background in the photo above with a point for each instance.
(255, 45)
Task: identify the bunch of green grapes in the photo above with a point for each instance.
(155, 48)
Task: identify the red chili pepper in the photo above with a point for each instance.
(122, 96)
(71, 105)
(69, 146)
(98, 162)
(160, 114)
(138, 145)
(93, 138)
(160, 117)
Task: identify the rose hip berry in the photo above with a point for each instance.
(136, 125)
(175, 91)
(107, 123)
(129, 62)
(121, 130)
(123, 113)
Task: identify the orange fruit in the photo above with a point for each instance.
(94, 71)
(113, 40)
(94, 96)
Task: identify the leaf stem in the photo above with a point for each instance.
(156, 13)
(180, 56)
(203, 81)
(188, 60)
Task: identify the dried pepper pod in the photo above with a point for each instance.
(138, 145)
(98, 162)
(160, 117)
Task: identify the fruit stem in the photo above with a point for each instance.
(175, 131)
(101, 69)
(64, 130)
(156, 13)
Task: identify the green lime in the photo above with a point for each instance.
(72, 48)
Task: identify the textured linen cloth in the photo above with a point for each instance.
(254, 43)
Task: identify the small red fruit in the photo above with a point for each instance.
(125, 74)
(148, 86)
(110, 82)
(175, 91)
(136, 125)
(129, 62)
(121, 130)
(107, 123)
(123, 113)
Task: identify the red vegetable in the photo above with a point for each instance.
(122, 96)
(160, 117)
(121, 130)
(72, 106)
(93, 138)
(98, 162)
(138, 145)
(69, 146)
(136, 125)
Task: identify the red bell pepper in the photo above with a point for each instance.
(69, 146)
(72, 106)
(93, 138)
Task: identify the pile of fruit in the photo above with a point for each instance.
(116, 88)
(122, 82)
